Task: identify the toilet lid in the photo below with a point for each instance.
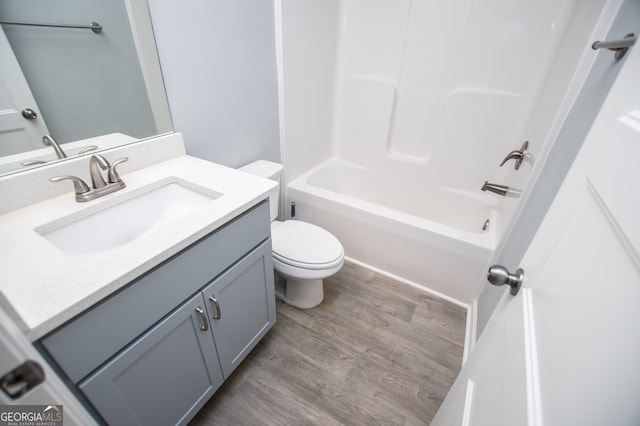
(306, 245)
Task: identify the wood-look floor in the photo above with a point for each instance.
(374, 352)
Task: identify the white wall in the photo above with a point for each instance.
(440, 92)
(568, 68)
(424, 92)
(219, 67)
(309, 32)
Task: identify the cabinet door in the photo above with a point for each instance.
(241, 306)
(164, 377)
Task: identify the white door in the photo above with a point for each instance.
(566, 349)
(17, 133)
(16, 351)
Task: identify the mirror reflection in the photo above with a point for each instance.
(63, 89)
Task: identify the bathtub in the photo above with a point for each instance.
(431, 237)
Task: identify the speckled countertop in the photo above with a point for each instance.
(41, 287)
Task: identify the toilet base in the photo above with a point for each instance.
(303, 294)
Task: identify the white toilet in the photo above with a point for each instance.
(304, 254)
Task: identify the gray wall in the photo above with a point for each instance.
(85, 84)
(564, 151)
(219, 66)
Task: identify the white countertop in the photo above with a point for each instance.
(41, 287)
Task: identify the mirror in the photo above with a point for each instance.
(76, 84)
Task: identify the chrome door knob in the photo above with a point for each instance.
(499, 275)
(29, 114)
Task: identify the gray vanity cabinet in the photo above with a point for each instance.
(155, 352)
(164, 377)
(241, 308)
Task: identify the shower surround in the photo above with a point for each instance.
(400, 106)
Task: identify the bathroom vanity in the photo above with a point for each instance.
(143, 331)
(158, 349)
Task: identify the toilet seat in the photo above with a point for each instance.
(304, 245)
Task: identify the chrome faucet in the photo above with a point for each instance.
(495, 188)
(97, 162)
(49, 141)
(100, 187)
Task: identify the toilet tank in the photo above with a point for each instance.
(269, 170)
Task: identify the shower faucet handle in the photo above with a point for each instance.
(517, 155)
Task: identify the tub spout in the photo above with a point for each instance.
(495, 188)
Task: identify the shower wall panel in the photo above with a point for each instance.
(441, 90)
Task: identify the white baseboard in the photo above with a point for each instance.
(411, 283)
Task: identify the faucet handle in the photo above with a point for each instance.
(518, 155)
(113, 173)
(79, 185)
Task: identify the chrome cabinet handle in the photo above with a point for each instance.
(517, 155)
(203, 315)
(218, 313)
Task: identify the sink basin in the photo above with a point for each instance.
(126, 221)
